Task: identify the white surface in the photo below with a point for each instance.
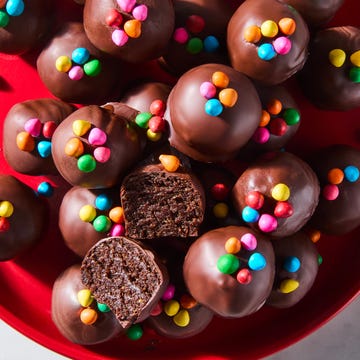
(338, 339)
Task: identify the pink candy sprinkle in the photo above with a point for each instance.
(169, 293)
(248, 241)
(33, 127)
(97, 137)
(140, 12)
(180, 35)
(76, 73)
(330, 192)
(207, 90)
(119, 37)
(102, 154)
(267, 223)
(282, 45)
(126, 5)
(117, 230)
(261, 135)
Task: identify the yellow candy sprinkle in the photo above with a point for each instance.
(84, 297)
(116, 215)
(355, 58)
(74, 147)
(63, 63)
(153, 136)
(171, 307)
(170, 162)
(182, 318)
(6, 208)
(252, 34)
(88, 316)
(269, 28)
(25, 142)
(221, 210)
(228, 97)
(287, 26)
(232, 245)
(87, 213)
(337, 57)
(81, 127)
(133, 28)
(289, 285)
(280, 192)
(220, 79)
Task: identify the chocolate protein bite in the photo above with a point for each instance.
(134, 31)
(94, 147)
(77, 315)
(126, 276)
(267, 40)
(24, 24)
(199, 35)
(277, 194)
(162, 200)
(27, 137)
(331, 76)
(337, 167)
(22, 217)
(230, 270)
(213, 110)
(297, 264)
(74, 70)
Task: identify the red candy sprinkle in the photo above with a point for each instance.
(195, 24)
(244, 276)
(114, 18)
(283, 209)
(48, 129)
(4, 224)
(278, 127)
(219, 191)
(254, 199)
(156, 124)
(157, 107)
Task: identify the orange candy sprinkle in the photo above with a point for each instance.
(314, 235)
(133, 28)
(287, 26)
(187, 301)
(25, 141)
(232, 245)
(274, 106)
(170, 162)
(88, 316)
(265, 118)
(220, 79)
(335, 176)
(116, 215)
(228, 97)
(74, 147)
(252, 34)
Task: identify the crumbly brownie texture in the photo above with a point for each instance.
(125, 276)
(158, 203)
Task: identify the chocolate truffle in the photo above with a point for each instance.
(94, 147)
(24, 24)
(267, 40)
(126, 276)
(337, 167)
(162, 200)
(22, 217)
(277, 194)
(296, 261)
(134, 31)
(331, 76)
(213, 110)
(316, 12)
(77, 315)
(230, 270)
(199, 36)
(28, 130)
(74, 70)
(94, 214)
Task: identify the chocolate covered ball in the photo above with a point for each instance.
(213, 110)
(267, 40)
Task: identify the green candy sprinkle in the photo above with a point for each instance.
(103, 307)
(355, 74)
(86, 163)
(228, 264)
(194, 45)
(291, 116)
(142, 119)
(92, 68)
(4, 19)
(135, 332)
(320, 259)
(102, 223)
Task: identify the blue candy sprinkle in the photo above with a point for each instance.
(45, 189)
(256, 261)
(213, 107)
(80, 56)
(266, 52)
(351, 173)
(211, 44)
(250, 215)
(44, 148)
(103, 202)
(15, 7)
(292, 264)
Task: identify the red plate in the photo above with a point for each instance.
(26, 282)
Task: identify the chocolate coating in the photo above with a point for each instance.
(69, 37)
(22, 228)
(263, 175)
(65, 312)
(215, 15)
(156, 29)
(244, 55)
(204, 137)
(221, 292)
(297, 246)
(46, 110)
(339, 216)
(121, 138)
(330, 87)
